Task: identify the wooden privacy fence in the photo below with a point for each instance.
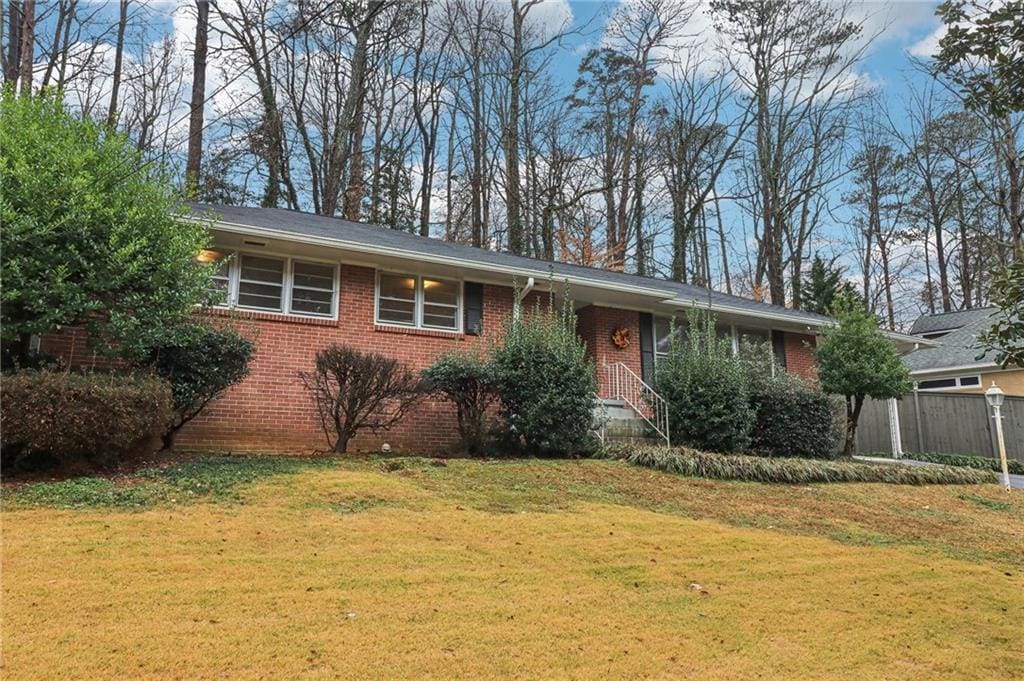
(945, 423)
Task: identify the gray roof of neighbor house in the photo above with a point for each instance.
(329, 229)
(948, 321)
(958, 347)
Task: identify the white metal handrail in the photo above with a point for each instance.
(622, 383)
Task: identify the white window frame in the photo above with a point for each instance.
(283, 285)
(235, 279)
(419, 299)
(734, 338)
(959, 383)
(734, 342)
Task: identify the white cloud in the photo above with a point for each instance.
(929, 45)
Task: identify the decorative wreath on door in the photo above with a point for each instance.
(620, 337)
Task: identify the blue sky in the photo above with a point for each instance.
(904, 29)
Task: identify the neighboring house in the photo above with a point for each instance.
(958, 364)
(304, 281)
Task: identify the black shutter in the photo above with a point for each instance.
(646, 347)
(779, 347)
(474, 308)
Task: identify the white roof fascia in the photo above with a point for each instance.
(444, 260)
(239, 228)
(955, 369)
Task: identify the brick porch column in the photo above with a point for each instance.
(596, 325)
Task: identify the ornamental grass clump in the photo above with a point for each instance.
(965, 461)
(691, 462)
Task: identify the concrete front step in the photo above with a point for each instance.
(615, 409)
(622, 424)
(646, 440)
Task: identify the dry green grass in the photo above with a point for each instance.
(515, 569)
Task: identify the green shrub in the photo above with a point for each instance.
(791, 417)
(468, 381)
(200, 365)
(94, 233)
(546, 382)
(694, 463)
(707, 392)
(965, 461)
(72, 417)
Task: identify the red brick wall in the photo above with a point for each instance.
(271, 410)
(72, 346)
(800, 355)
(595, 326)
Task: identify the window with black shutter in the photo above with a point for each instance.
(474, 309)
(779, 347)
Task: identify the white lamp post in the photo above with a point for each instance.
(994, 396)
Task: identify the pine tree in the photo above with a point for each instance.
(823, 287)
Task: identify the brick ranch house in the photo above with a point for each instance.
(301, 282)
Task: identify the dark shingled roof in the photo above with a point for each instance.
(309, 225)
(947, 321)
(959, 347)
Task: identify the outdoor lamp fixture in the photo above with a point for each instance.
(994, 396)
(207, 255)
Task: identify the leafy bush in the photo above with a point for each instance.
(707, 390)
(546, 382)
(200, 365)
(468, 381)
(70, 417)
(691, 462)
(93, 233)
(791, 417)
(966, 461)
(857, 361)
(355, 390)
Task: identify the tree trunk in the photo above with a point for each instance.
(346, 133)
(354, 191)
(115, 86)
(168, 439)
(512, 198)
(28, 44)
(195, 121)
(12, 59)
(853, 407)
(341, 444)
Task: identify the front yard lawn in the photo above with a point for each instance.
(402, 568)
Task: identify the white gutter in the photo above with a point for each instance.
(955, 369)
(526, 289)
(441, 259)
(746, 312)
(239, 228)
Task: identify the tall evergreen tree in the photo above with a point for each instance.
(824, 286)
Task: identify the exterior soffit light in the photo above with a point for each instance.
(207, 255)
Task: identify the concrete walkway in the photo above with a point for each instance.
(1016, 481)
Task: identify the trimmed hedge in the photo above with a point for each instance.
(965, 461)
(73, 417)
(791, 418)
(467, 380)
(683, 461)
